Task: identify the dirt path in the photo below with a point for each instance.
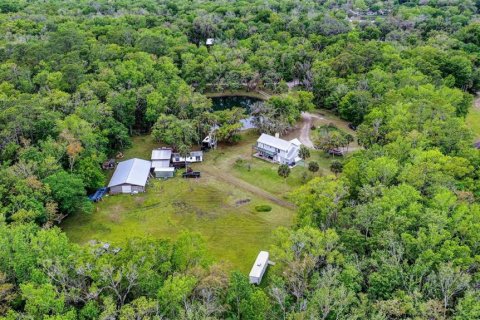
(230, 179)
(476, 101)
(265, 95)
(307, 120)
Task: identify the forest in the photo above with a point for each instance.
(394, 234)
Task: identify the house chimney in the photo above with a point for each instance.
(277, 135)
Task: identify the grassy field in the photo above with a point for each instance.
(220, 205)
(473, 121)
(223, 215)
(238, 161)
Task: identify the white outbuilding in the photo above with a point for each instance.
(164, 172)
(259, 267)
(161, 163)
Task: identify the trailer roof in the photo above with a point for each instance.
(259, 265)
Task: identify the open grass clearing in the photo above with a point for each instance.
(225, 217)
(473, 118)
(221, 205)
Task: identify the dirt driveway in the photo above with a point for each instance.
(230, 179)
(307, 121)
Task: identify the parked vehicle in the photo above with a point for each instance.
(192, 174)
(335, 152)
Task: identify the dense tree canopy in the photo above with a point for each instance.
(394, 236)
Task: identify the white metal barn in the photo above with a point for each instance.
(259, 267)
(130, 176)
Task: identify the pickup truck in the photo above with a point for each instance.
(191, 174)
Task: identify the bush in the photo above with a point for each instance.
(313, 166)
(263, 208)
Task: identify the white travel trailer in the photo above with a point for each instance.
(259, 267)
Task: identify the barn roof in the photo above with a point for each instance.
(259, 265)
(274, 142)
(161, 154)
(134, 171)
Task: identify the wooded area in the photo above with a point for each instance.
(394, 234)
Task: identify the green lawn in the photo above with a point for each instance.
(223, 215)
(142, 147)
(264, 174)
(217, 206)
(238, 161)
(473, 121)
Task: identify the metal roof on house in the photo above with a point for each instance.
(209, 41)
(134, 171)
(161, 154)
(274, 142)
(296, 142)
(259, 265)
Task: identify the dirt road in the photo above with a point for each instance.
(230, 179)
(307, 121)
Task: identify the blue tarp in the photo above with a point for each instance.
(98, 195)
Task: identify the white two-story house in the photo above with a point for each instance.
(278, 150)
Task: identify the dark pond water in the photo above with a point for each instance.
(223, 103)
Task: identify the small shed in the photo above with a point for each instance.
(209, 42)
(161, 157)
(130, 176)
(164, 172)
(259, 267)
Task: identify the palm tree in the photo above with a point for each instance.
(304, 154)
(284, 171)
(184, 151)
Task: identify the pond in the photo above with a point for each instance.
(228, 102)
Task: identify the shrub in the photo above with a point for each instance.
(263, 208)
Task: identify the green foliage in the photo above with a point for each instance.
(303, 152)
(174, 132)
(313, 166)
(336, 167)
(78, 79)
(68, 190)
(263, 208)
(283, 171)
